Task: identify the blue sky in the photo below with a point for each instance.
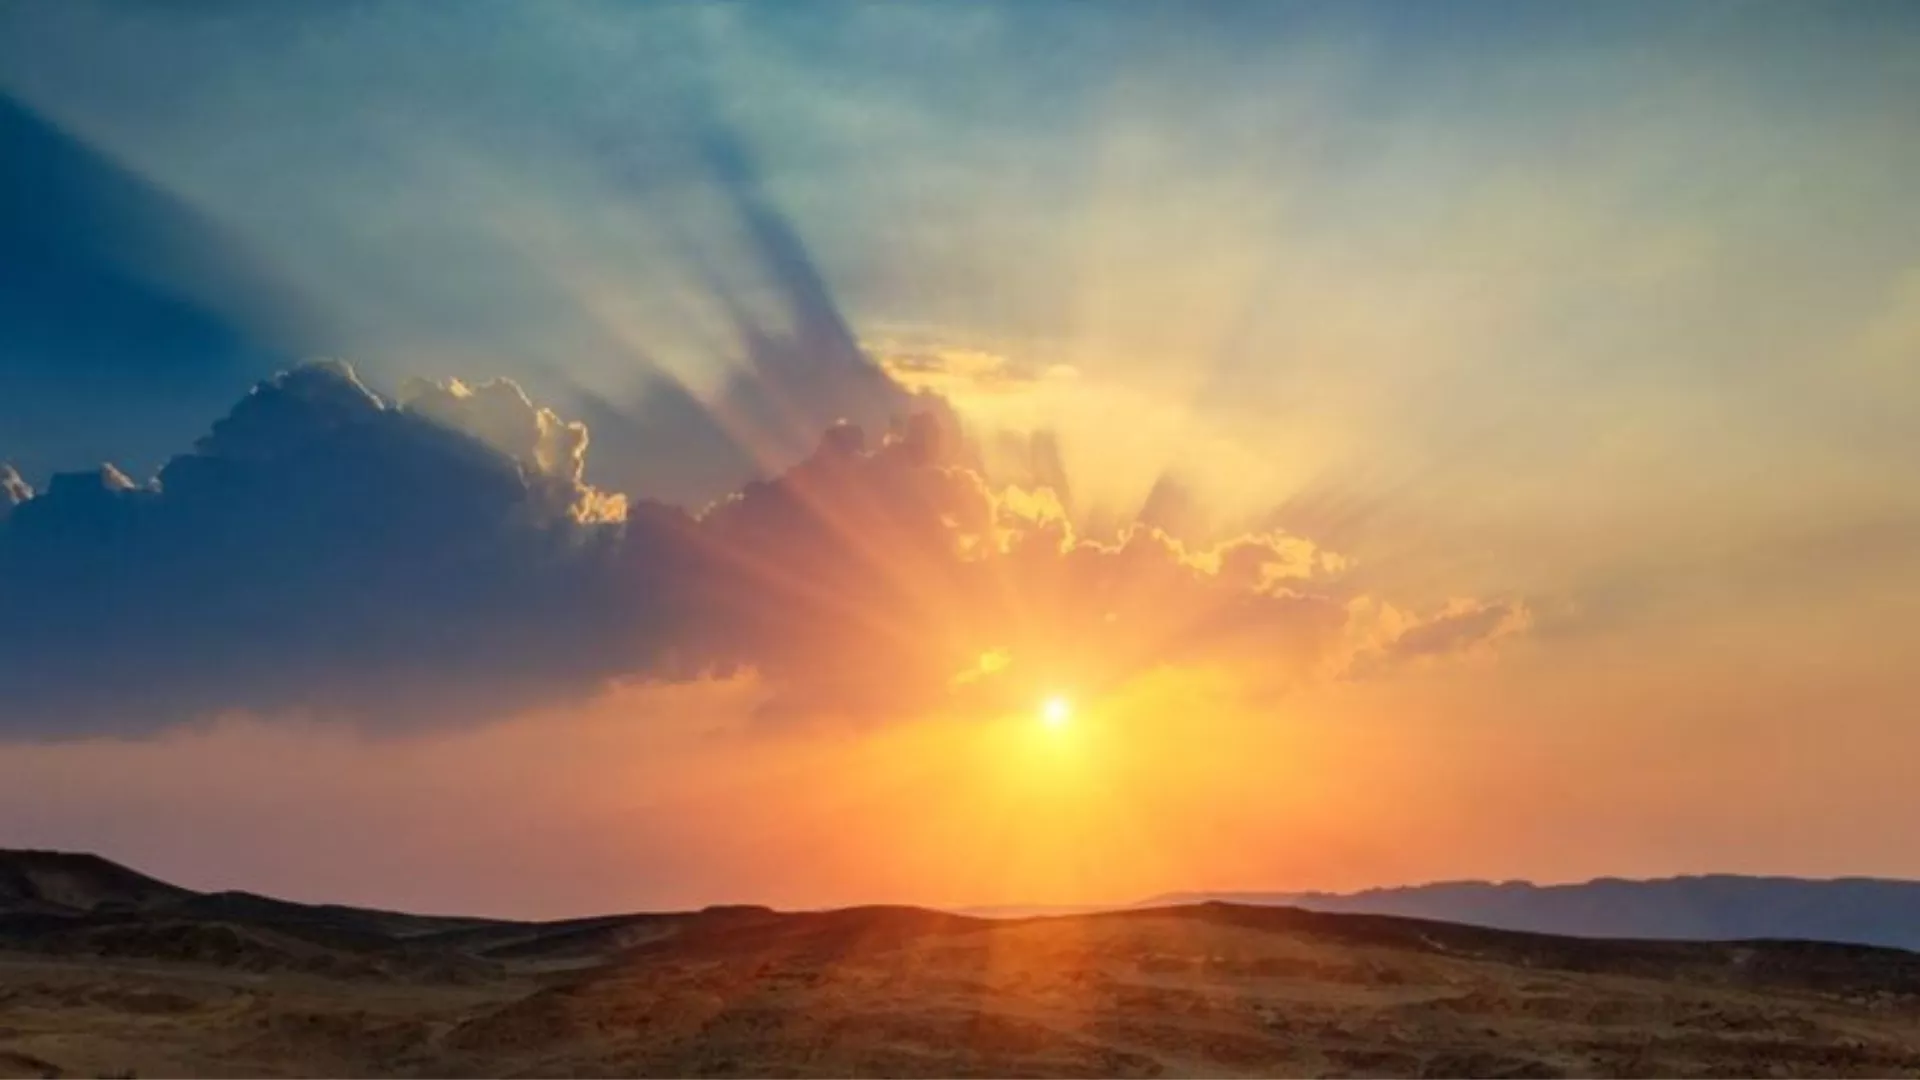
(433, 185)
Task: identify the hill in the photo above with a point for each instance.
(122, 977)
(1720, 907)
(53, 882)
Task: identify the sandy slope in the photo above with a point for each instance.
(1211, 989)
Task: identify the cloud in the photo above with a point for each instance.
(325, 552)
(499, 413)
(962, 372)
(1387, 637)
(320, 551)
(1039, 463)
(1465, 625)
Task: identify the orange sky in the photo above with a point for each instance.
(662, 797)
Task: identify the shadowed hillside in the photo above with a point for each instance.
(59, 882)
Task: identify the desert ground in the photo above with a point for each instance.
(104, 972)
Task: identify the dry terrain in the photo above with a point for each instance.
(104, 972)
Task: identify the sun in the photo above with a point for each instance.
(1056, 711)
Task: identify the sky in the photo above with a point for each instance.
(544, 459)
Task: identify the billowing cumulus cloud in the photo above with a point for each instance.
(320, 551)
(499, 414)
(438, 558)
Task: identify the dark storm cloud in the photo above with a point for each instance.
(439, 558)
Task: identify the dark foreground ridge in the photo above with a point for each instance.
(107, 971)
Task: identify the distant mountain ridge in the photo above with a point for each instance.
(1723, 907)
(1714, 907)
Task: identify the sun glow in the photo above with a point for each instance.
(1056, 711)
